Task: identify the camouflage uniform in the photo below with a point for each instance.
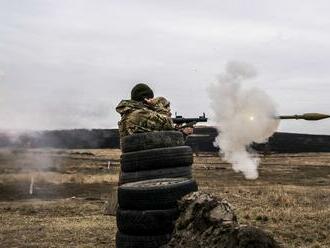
(139, 117)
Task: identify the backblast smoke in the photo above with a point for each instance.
(242, 115)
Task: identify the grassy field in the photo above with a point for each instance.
(291, 197)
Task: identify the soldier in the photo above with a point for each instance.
(144, 113)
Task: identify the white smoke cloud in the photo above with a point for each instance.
(242, 115)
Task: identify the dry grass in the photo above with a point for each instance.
(62, 223)
(58, 178)
(298, 216)
(291, 198)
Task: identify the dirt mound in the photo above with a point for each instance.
(207, 222)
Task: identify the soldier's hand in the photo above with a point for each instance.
(187, 130)
(150, 101)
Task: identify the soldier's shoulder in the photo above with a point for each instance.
(128, 105)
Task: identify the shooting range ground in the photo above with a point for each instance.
(291, 197)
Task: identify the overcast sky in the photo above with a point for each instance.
(67, 64)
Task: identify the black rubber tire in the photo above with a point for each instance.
(130, 241)
(154, 194)
(129, 177)
(148, 222)
(151, 140)
(158, 158)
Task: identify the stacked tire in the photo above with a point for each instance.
(155, 173)
(154, 155)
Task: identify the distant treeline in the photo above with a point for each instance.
(68, 139)
(202, 140)
(280, 142)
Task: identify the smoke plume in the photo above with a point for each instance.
(242, 115)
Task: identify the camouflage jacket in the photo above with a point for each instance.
(137, 117)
